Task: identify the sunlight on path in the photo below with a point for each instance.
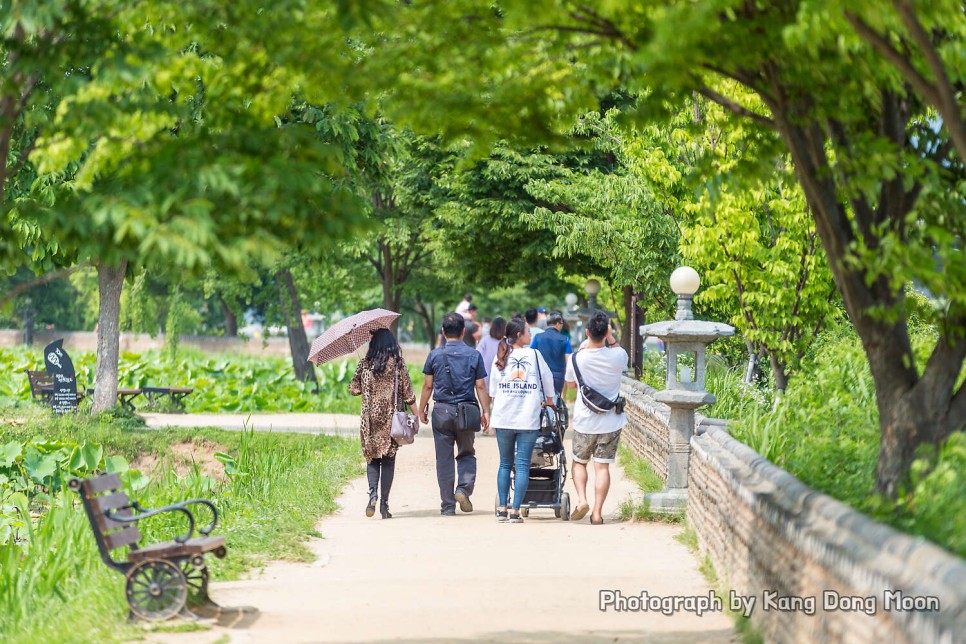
(423, 577)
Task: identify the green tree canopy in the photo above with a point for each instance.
(157, 138)
(865, 97)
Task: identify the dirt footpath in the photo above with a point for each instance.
(424, 577)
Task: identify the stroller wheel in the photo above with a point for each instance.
(524, 512)
(563, 512)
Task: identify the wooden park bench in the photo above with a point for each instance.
(175, 394)
(42, 386)
(163, 579)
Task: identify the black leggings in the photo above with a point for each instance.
(385, 465)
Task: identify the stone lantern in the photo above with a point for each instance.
(683, 338)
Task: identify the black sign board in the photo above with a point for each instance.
(61, 370)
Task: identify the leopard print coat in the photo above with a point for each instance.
(376, 390)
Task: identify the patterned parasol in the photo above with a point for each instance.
(345, 336)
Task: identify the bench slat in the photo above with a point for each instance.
(106, 524)
(107, 502)
(101, 483)
(124, 537)
(196, 546)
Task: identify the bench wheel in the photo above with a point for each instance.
(196, 576)
(156, 590)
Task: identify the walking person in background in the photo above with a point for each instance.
(464, 305)
(515, 386)
(555, 348)
(598, 365)
(454, 374)
(531, 317)
(488, 345)
(376, 379)
(472, 333)
(542, 318)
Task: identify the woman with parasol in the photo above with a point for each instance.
(381, 378)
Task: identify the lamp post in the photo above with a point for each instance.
(29, 314)
(571, 318)
(684, 392)
(592, 287)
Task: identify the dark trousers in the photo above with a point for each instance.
(381, 468)
(446, 436)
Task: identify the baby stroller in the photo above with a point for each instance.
(548, 473)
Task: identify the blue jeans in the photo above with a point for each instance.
(522, 440)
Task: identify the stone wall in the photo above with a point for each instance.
(765, 531)
(646, 432)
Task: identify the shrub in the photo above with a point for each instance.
(235, 383)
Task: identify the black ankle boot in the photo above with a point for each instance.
(371, 508)
(384, 510)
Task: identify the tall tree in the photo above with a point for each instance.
(170, 150)
(851, 89)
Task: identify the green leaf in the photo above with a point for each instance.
(40, 466)
(10, 453)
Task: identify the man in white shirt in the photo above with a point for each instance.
(463, 307)
(597, 423)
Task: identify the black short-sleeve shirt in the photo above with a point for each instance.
(466, 367)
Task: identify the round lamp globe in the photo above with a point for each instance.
(685, 281)
(592, 287)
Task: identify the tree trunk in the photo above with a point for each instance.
(627, 324)
(907, 404)
(637, 357)
(288, 298)
(426, 315)
(110, 283)
(778, 373)
(391, 290)
(231, 320)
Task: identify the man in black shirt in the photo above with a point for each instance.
(472, 333)
(461, 382)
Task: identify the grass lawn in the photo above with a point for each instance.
(640, 471)
(53, 585)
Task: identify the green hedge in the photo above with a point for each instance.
(53, 585)
(224, 383)
(825, 431)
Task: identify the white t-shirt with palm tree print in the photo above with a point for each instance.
(516, 390)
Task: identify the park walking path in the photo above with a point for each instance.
(424, 577)
(337, 424)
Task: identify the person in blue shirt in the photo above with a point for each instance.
(555, 348)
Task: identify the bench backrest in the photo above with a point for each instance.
(100, 495)
(38, 379)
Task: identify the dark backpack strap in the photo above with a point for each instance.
(581, 385)
(573, 359)
(449, 372)
(536, 353)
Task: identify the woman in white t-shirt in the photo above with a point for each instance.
(515, 388)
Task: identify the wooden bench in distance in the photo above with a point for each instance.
(42, 386)
(176, 394)
(163, 579)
